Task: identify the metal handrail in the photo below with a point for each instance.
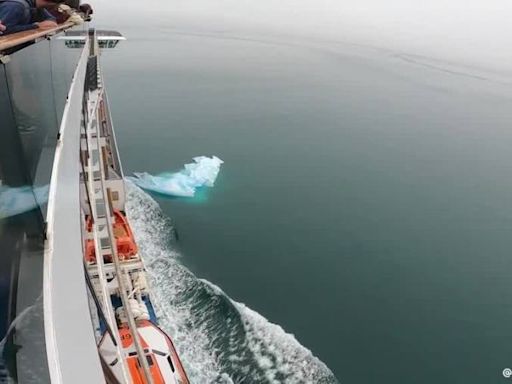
(72, 356)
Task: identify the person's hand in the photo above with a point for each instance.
(2, 27)
(47, 24)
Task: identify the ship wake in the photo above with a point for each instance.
(219, 340)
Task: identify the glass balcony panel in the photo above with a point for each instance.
(29, 78)
(22, 346)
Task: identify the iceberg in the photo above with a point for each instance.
(201, 173)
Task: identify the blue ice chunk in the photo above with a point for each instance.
(201, 173)
(17, 200)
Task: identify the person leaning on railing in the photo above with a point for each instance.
(72, 11)
(22, 15)
(66, 10)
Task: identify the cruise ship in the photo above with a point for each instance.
(75, 303)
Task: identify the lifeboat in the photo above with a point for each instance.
(163, 361)
(126, 246)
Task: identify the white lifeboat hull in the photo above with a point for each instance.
(162, 358)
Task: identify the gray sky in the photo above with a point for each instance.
(469, 32)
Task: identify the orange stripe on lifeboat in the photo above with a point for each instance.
(126, 246)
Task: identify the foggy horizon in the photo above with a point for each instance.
(467, 33)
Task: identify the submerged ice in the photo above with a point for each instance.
(201, 173)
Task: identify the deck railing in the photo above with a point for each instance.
(33, 35)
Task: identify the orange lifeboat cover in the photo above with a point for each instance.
(126, 246)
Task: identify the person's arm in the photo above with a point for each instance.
(11, 15)
(2, 28)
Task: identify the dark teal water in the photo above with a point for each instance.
(365, 200)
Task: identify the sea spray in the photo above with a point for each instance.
(201, 173)
(219, 340)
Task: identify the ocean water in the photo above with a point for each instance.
(219, 340)
(362, 215)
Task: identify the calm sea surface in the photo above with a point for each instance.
(365, 203)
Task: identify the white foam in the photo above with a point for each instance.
(189, 309)
(277, 352)
(168, 279)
